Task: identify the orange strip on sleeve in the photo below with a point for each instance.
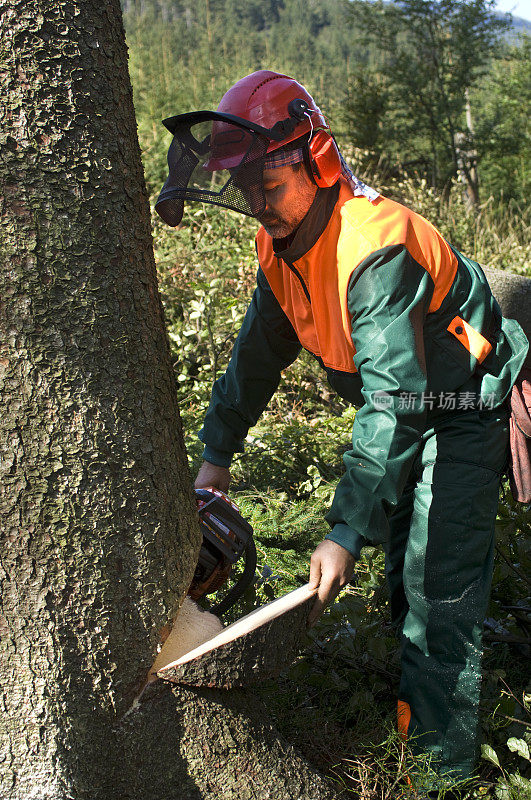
(403, 716)
(474, 342)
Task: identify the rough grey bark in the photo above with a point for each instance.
(513, 293)
(250, 659)
(98, 535)
(224, 738)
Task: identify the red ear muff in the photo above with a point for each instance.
(325, 160)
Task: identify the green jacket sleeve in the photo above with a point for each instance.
(266, 344)
(388, 297)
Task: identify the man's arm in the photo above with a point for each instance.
(266, 344)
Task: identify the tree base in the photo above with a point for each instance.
(208, 744)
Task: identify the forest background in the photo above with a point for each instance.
(430, 102)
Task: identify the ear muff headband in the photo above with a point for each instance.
(325, 160)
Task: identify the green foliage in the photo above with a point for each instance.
(506, 717)
(391, 77)
(430, 53)
(365, 110)
(207, 273)
(493, 234)
(184, 56)
(503, 100)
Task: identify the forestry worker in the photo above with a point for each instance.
(407, 329)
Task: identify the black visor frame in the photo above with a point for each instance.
(276, 134)
(243, 189)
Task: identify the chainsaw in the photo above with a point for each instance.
(227, 536)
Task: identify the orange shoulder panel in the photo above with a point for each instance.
(387, 223)
(356, 229)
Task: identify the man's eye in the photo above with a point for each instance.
(272, 188)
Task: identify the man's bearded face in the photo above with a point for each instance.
(289, 193)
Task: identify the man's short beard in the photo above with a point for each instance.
(278, 227)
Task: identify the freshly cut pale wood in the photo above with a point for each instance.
(257, 647)
(192, 626)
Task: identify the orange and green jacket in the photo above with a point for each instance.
(394, 314)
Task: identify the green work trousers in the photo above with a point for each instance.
(439, 568)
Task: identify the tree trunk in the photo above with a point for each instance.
(473, 175)
(466, 159)
(98, 528)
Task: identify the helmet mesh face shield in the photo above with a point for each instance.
(214, 158)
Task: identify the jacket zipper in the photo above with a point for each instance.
(299, 276)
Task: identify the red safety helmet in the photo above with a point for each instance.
(263, 98)
(266, 98)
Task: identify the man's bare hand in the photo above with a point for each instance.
(211, 475)
(331, 568)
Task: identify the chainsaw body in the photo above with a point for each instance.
(227, 536)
